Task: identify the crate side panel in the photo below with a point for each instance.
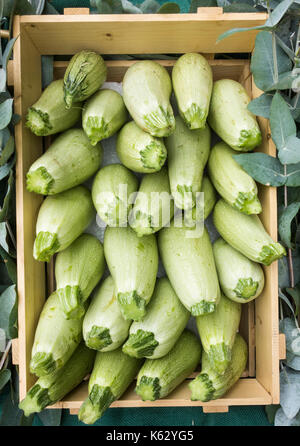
(266, 306)
(149, 33)
(31, 274)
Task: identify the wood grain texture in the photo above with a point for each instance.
(157, 33)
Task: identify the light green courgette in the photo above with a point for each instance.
(159, 377)
(78, 269)
(69, 161)
(155, 335)
(246, 234)
(104, 328)
(204, 205)
(133, 264)
(192, 82)
(241, 279)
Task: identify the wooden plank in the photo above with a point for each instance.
(117, 68)
(10, 73)
(215, 409)
(15, 351)
(31, 274)
(78, 11)
(282, 346)
(266, 305)
(151, 33)
(244, 392)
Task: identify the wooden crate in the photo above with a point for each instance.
(137, 34)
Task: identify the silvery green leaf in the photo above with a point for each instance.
(283, 270)
(292, 361)
(286, 300)
(129, 8)
(286, 217)
(295, 294)
(4, 377)
(261, 106)
(290, 392)
(149, 6)
(282, 420)
(5, 113)
(8, 311)
(292, 335)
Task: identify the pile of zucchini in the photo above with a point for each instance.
(122, 322)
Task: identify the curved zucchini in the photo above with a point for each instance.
(55, 340)
(241, 279)
(54, 386)
(203, 208)
(85, 74)
(229, 117)
(113, 372)
(231, 181)
(188, 152)
(246, 234)
(49, 115)
(69, 161)
(192, 82)
(190, 266)
(159, 377)
(208, 385)
(153, 207)
(78, 269)
(104, 328)
(147, 89)
(112, 191)
(61, 219)
(103, 115)
(140, 151)
(217, 332)
(133, 264)
(155, 335)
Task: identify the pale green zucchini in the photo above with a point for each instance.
(61, 219)
(140, 151)
(54, 386)
(190, 267)
(208, 385)
(217, 332)
(204, 206)
(113, 372)
(112, 194)
(192, 82)
(49, 115)
(85, 74)
(155, 335)
(78, 269)
(69, 161)
(103, 115)
(133, 264)
(104, 328)
(55, 339)
(188, 152)
(229, 117)
(153, 207)
(241, 279)
(246, 234)
(147, 88)
(159, 377)
(231, 181)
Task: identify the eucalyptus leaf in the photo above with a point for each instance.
(7, 150)
(262, 61)
(195, 4)
(283, 270)
(8, 312)
(5, 376)
(169, 8)
(24, 7)
(285, 81)
(5, 113)
(129, 8)
(149, 7)
(293, 175)
(285, 220)
(282, 420)
(263, 168)
(49, 9)
(272, 21)
(290, 392)
(292, 361)
(5, 170)
(50, 417)
(286, 300)
(292, 335)
(38, 6)
(295, 293)
(271, 412)
(261, 106)
(10, 265)
(3, 237)
(5, 208)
